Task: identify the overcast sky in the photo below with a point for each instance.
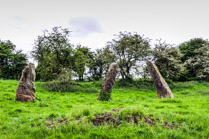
(94, 22)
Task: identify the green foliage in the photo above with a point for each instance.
(96, 66)
(91, 90)
(12, 62)
(61, 86)
(195, 58)
(136, 84)
(105, 96)
(189, 48)
(126, 113)
(65, 75)
(129, 48)
(80, 62)
(124, 83)
(100, 62)
(168, 60)
(200, 63)
(86, 112)
(98, 83)
(53, 52)
(70, 115)
(82, 58)
(142, 84)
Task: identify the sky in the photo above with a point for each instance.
(94, 22)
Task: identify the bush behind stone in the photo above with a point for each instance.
(61, 86)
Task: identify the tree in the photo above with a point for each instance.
(100, 62)
(82, 57)
(200, 63)
(129, 48)
(18, 62)
(168, 60)
(6, 50)
(12, 61)
(191, 50)
(54, 52)
(96, 66)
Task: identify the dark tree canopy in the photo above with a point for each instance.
(188, 48)
(12, 61)
(193, 58)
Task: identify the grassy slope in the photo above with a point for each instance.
(188, 112)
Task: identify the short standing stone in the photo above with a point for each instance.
(162, 87)
(108, 83)
(26, 88)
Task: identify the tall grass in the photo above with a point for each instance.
(73, 115)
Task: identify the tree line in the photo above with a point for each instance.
(12, 61)
(58, 58)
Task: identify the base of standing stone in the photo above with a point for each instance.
(104, 96)
(24, 94)
(24, 98)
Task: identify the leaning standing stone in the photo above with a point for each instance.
(108, 83)
(26, 89)
(162, 87)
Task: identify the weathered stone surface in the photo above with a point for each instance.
(26, 89)
(108, 83)
(161, 86)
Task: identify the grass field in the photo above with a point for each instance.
(132, 113)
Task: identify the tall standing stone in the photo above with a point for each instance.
(105, 92)
(26, 89)
(162, 87)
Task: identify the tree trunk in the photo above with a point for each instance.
(80, 78)
(105, 92)
(123, 77)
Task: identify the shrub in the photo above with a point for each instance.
(61, 86)
(91, 90)
(98, 83)
(183, 85)
(125, 83)
(143, 84)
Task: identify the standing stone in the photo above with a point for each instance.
(26, 89)
(162, 87)
(108, 83)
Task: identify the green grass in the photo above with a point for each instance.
(72, 115)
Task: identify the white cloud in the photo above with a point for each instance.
(18, 19)
(84, 26)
